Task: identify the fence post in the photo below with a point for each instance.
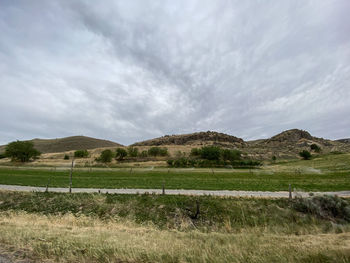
(163, 188)
(290, 192)
(70, 176)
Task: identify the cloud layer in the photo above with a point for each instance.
(132, 70)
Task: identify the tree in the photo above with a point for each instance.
(306, 155)
(66, 157)
(133, 152)
(315, 147)
(210, 153)
(157, 151)
(21, 151)
(81, 154)
(121, 153)
(106, 156)
(231, 155)
(195, 152)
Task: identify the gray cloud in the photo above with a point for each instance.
(131, 70)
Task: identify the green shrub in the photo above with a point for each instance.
(106, 156)
(2, 156)
(274, 158)
(22, 151)
(195, 152)
(143, 154)
(133, 152)
(326, 207)
(157, 151)
(81, 154)
(121, 153)
(210, 153)
(230, 155)
(306, 155)
(66, 157)
(314, 147)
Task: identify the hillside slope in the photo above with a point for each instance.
(197, 138)
(68, 144)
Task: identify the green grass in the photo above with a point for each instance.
(180, 179)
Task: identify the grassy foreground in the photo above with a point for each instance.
(150, 228)
(180, 179)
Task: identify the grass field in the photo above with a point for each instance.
(150, 228)
(324, 173)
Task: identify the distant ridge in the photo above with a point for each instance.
(192, 139)
(344, 140)
(69, 144)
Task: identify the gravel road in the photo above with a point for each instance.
(280, 194)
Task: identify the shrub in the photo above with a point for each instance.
(210, 153)
(326, 207)
(274, 158)
(170, 162)
(157, 151)
(121, 153)
(106, 156)
(21, 151)
(66, 157)
(144, 154)
(231, 155)
(195, 152)
(133, 152)
(306, 155)
(81, 154)
(2, 155)
(314, 147)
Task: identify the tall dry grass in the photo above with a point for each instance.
(68, 238)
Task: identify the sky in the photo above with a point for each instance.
(127, 71)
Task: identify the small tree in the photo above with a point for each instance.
(314, 147)
(132, 151)
(81, 154)
(210, 153)
(106, 156)
(21, 151)
(231, 155)
(157, 151)
(195, 152)
(66, 157)
(121, 153)
(306, 155)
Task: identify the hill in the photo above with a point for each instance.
(288, 144)
(68, 144)
(197, 138)
(344, 140)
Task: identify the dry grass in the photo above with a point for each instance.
(86, 239)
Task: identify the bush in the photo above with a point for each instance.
(210, 153)
(106, 156)
(306, 155)
(157, 151)
(195, 152)
(231, 155)
(66, 157)
(144, 154)
(327, 207)
(21, 151)
(2, 155)
(121, 153)
(81, 154)
(314, 147)
(133, 152)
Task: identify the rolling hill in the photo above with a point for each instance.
(68, 144)
(197, 138)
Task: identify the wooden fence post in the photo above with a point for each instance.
(70, 176)
(290, 192)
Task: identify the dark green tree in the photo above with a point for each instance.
(106, 156)
(210, 152)
(230, 155)
(133, 152)
(121, 153)
(306, 155)
(81, 154)
(22, 151)
(315, 147)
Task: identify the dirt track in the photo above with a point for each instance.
(281, 194)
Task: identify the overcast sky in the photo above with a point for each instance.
(133, 70)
